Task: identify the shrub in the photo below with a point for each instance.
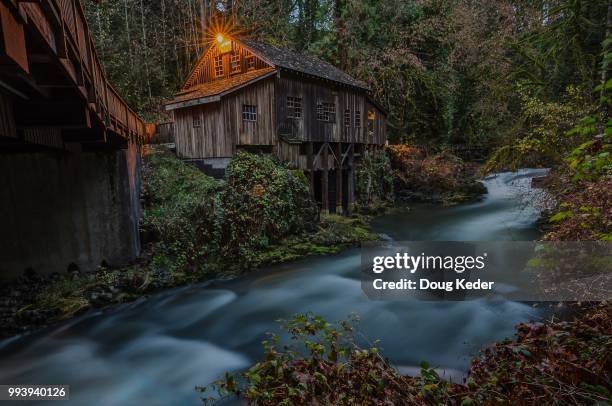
(181, 211)
(263, 201)
(327, 366)
(440, 177)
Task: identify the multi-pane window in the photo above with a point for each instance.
(371, 120)
(249, 112)
(250, 62)
(196, 120)
(347, 118)
(357, 119)
(294, 107)
(218, 66)
(326, 112)
(235, 63)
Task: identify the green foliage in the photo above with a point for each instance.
(332, 233)
(560, 216)
(545, 135)
(181, 213)
(373, 180)
(263, 201)
(327, 365)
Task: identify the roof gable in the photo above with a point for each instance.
(284, 59)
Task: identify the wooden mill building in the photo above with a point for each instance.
(247, 95)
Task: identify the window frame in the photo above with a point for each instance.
(250, 62)
(218, 66)
(235, 66)
(294, 107)
(326, 112)
(249, 113)
(196, 120)
(357, 118)
(347, 118)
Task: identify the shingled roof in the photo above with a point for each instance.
(310, 65)
(214, 90)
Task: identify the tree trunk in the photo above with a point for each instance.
(605, 69)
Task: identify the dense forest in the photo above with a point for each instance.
(477, 74)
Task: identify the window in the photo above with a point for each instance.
(326, 112)
(294, 107)
(235, 63)
(249, 112)
(357, 118)
(196, 120)
(250, 62)
(218, 66)
(347, 118)
(371, 120)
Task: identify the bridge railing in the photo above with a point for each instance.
(62, 24)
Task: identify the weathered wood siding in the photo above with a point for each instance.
(260, 132)
(221, 126)
(205, 70)
(207, 140)
(309, 128)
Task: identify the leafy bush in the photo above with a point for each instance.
(181, 212)
(591, 159)
(263, 201)
(583, 214)
(327, 366)
(440, 177)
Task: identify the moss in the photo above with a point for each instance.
(332, 235)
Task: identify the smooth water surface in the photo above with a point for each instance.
(156, 350)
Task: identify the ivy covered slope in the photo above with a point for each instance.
(193, 228)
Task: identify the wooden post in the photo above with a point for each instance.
(325, 180)
(351, 179)
(339, 178)
(310, 168)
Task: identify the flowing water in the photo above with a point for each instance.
(156, 350)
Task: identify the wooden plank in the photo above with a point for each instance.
(13, 39)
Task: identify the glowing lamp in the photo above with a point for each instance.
(224, 44)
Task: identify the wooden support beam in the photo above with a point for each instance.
(339, 179)
(325, 181)
(351, 179)
(310, 167)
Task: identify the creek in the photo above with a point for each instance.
(156, 350)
